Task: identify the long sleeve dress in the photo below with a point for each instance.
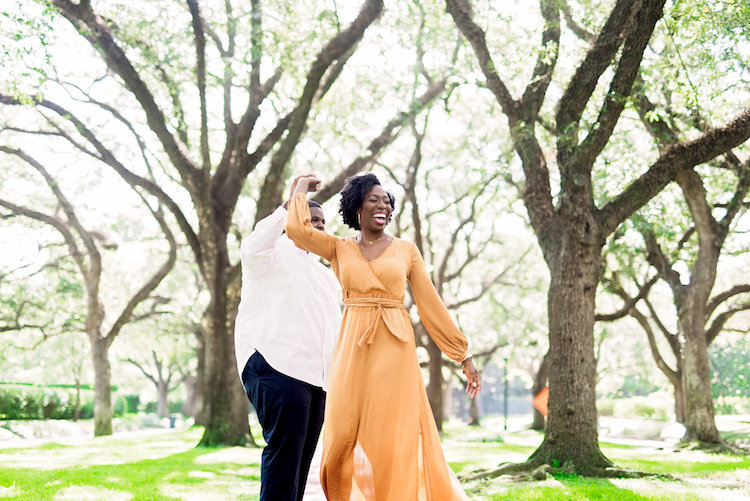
(380, 442)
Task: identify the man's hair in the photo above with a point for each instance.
(314, 204)
(353, 194)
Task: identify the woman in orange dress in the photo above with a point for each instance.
(380, 442)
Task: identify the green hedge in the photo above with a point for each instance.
(23, 401)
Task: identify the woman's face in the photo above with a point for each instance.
(375, 210)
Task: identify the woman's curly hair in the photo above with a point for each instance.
(353, 194)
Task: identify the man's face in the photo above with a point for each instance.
(317, 218)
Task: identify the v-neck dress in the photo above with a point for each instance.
(380, 442)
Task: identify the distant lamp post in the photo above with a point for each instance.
(505, 393)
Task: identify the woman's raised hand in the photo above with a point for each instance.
(306, 183)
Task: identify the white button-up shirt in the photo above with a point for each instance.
(289, 309)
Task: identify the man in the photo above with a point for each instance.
(286, 327)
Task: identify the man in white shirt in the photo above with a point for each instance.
(286, 327)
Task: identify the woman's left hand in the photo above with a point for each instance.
(474, 381)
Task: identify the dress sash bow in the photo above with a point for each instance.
(387, 311)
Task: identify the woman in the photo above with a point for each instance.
(380, 442)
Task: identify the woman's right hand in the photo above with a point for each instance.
(307, 183)
(295, 182)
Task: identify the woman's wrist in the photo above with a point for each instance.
(468, 357)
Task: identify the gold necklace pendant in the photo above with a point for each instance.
(370, 242)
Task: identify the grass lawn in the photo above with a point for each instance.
(164, 464)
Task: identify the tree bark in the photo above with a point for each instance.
(571, 429)
(225, 403)
(77, 408)
(571, 230)
(679, 400)
(700, 422)
(188, 406)
(474, 412)
(214, 195)
(435, 384)
(161, 399)
(102, 388)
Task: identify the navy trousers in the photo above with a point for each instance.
(291, 415)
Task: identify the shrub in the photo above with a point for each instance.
(11, 403)
(175, 407)
(119, 406)
(26, 401)
(34, 402)
(133, 400)
(87, 405)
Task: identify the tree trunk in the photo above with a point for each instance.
(102, 388)
(188, 406)
(474, 411)
(570, 438)
(161, 403)
(435, 385)
(77, 408)
(700, 423)
(447, 402)
(540, 382)
(224, 400)
(679, 401)
(199, 406)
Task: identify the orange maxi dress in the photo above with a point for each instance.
(380, 442)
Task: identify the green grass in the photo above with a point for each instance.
(140, 467)
(694, 475)
(164, 464)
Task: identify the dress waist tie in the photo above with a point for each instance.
(394, 323)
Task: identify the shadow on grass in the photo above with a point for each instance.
(560, 488)
(164, 478)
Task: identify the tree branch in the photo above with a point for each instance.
(672, 375)
(728, 294)
(576, 28)
(143, 370)
(718, 323)
(460, 11)
(632, 310)
(377, 145)
(88, 270)
(533, 96)
(673, 159)
(659, 260)
(94, 29)
(338, 47)
(637, 38)
(152, 282)
(630, 302)
(200, 71)
(584, 81)
(108, 158)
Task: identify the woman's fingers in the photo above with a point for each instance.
(474, 382)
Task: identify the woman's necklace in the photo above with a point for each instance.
(370, 242)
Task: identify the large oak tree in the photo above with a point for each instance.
(571, 228)
(211, 99)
